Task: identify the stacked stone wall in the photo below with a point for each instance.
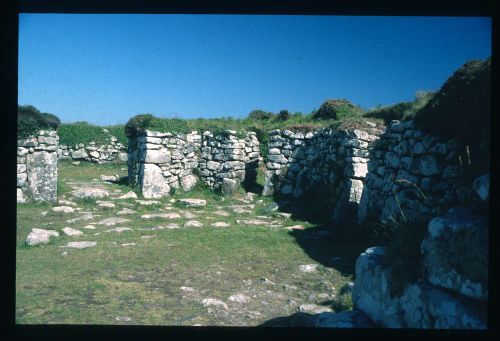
(336, 160)
(413, 175)
(37, 167)
(158, 162)
(93, 152)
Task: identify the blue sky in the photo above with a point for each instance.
(105, 68)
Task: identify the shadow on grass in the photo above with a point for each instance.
(298, 319)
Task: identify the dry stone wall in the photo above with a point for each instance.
(336, 160)
(414, 173)
(93, 152)
(37, 167)
(158, 162)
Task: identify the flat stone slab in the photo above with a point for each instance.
(40, 236)
(67, 203)
(90, 193)
(105, 204)
(308, 268)
(72, 232)
(193, 223)
(161, 215)
(63, 209)
(125, 211)
(80, 245)
(128, 195)
(239, 298)
(189, 215)
(86, 216)
(129, 244)
(148, 202)
(252, 222)
(109, 177)
(295, 227)
(221, 213)
(214, 302)
(220, 224)
(89, 227)
(192, 202)
(112, 221)
(313, 309)
(119, 229)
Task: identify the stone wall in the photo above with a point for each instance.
(324, 159)
(158, 162)
(453, 291)
(94, 152)
(412, 172)
(37, 167)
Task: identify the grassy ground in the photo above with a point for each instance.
(141, 283)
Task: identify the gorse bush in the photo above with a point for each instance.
(336, 109)
(30, 120)
(283, 115)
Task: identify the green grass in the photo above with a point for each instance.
(96, 285)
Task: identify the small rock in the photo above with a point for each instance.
(308, 268)
(161, 215)
(90, 193)
(40, 236)
(295, 227)
(44, 213)
(220, 224)
(112, 221)
(64, 253)
(289, 287)
(123, 318)
(148, 202)
(129, 195)
(86, 216)
(148, 236)
(80, 245)
(214, 302)
(313, 309)
(285, 215)
(187, 289)
(221, 213)
(193, 202)
(63, 209)
(105, 204)
(72, 232)
(108, 178)
(67, 203)
(76, 163)
(189, 215)
(119, 229)
(239, 298)
(267, 281)
(129, 244)
(125, 211)
(193, 223)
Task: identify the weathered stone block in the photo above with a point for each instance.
(152, 182)
(482, 186)
(455, 252)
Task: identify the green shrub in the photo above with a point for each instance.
(30, 120)
(260, 115)
(461, 109)
(391, 112)
(137, 124)
(283, 115)
(336, 109)
(71, 134)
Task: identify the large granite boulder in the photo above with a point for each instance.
(420, 305)
(455, 251)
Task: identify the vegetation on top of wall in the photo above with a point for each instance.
(401, 111)
(71, 134)
(337, 109)
(461, 109)
(30, 120)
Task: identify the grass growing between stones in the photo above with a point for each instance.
(154, 276)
